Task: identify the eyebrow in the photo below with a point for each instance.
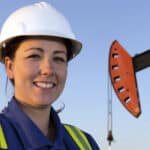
(34, 48)
(42, 50)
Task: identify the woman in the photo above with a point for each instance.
(36, 43)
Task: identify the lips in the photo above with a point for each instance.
(45, 85)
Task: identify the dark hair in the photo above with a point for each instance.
(10, 49)
(69, 49)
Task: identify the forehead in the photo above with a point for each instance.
(44, 42)
(43, 38)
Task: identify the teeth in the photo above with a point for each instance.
(44, 85)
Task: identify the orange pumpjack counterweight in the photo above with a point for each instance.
(123, 78)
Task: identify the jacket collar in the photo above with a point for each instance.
(29, 133)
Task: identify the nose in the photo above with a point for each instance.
(46, 68)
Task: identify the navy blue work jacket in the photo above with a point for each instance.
(22, 134)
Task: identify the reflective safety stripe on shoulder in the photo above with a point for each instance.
(3, 144)
(79, 137)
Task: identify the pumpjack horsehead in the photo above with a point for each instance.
(122, 70)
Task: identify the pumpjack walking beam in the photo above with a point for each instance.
(141, 61)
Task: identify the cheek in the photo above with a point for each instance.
(62, 74)
(23, 71)
(65, 74)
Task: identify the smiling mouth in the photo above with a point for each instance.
(44, 85)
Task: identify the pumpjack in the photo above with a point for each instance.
(122, 70)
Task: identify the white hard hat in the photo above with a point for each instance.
(39, 19)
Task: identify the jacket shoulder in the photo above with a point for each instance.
(84, 137)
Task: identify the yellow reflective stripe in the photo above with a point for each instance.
(3, 143)
(84, 138)
(75, 138)
(79, 137)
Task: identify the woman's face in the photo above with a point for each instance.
(39, 71)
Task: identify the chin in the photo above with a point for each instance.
(41, 106)
(44, 102)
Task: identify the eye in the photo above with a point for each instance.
(60, 59)
(34, 56)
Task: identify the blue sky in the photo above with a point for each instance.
(97, 23)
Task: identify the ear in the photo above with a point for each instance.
(9, 67)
